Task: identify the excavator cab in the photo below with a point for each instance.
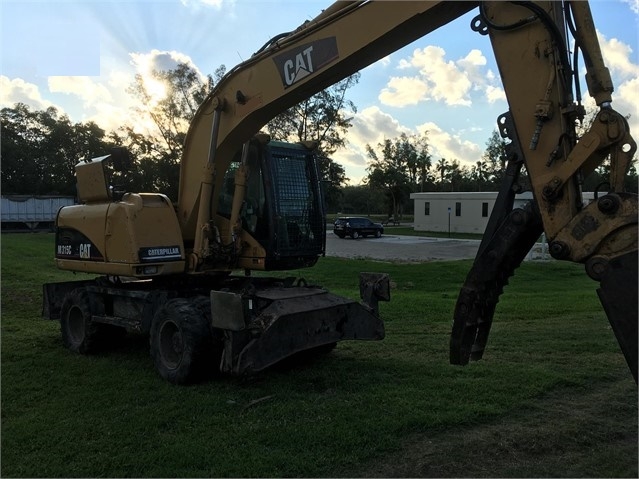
(282, 208)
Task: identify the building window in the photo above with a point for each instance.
(458, 209)
(427, 208)
(484, 210)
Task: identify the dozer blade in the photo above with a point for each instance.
(295, 319)
(618, 295)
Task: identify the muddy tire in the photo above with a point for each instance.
(180, 341)
(79, 333)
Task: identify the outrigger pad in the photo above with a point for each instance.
(618, 295)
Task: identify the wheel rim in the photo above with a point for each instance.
(75, 325)
(171, 344)
(355, 235)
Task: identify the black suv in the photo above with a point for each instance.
(356, 227)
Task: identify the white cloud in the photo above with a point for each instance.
(384, 62)
(439, 80)
(89, 91)
(16, 90)
(449, 146)
(625, 101)
(494, 94)
(625, 74)
(158, 60)
(404, 91)
(471, 66)
(204, 3)
(106, 103)
(617, 56)
(633, 4)
(372, 126)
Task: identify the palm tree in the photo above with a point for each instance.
(442, 167)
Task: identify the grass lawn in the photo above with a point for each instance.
(552, 397)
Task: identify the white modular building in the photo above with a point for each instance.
(461, 212)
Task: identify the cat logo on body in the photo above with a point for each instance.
(300, 62)
(85, 251)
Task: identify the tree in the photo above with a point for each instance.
(21, 141)
(363, 199)
(158, 154)
(388, 171)
(41, 148)
(494, 157)
(456, 175)
(442, 167)
(423, 162)
(321, 118)
(334, 176)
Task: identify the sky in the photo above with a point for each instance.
(81, 56)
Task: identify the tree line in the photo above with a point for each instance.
(404, 165)
(39, 149)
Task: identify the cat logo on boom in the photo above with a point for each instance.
(305, 60)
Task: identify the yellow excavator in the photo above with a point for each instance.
(250, 204)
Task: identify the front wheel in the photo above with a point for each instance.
(378, 234)
(180, 341)
(354, 235)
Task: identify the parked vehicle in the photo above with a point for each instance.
(356, 227)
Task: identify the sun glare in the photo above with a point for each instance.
(156, 89)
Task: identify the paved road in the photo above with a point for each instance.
(401, 248)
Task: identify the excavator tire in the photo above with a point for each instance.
(180, 341)
(79, 333)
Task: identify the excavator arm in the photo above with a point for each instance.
(532, 54)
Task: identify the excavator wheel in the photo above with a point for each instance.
(181, 341)
(80, 333)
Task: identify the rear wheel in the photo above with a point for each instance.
(180, 341)
(79, 332)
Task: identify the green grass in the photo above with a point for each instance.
(552, 397)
